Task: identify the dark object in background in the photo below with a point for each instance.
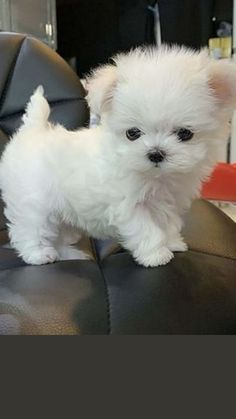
(190, 22)
(94, 30)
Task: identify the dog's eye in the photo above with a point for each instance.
(133, 134)
(184, 134)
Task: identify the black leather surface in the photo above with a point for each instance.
(194, 294)
(65, 298)
(28, 63)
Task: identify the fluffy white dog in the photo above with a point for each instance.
(163, 115)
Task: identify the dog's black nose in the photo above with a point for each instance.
(156, 156)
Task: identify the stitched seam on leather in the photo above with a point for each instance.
(96, 256)
(10, 75)
(107, 297)
(61, 101)
(52, 103)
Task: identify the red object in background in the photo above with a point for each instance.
(222, 184)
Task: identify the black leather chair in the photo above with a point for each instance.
(109, 294)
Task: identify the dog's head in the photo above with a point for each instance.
(165, 109)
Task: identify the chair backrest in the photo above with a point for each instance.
(25, 64)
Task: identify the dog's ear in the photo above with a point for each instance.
(222, 82)
(100, 88)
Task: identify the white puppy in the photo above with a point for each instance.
(163, 115)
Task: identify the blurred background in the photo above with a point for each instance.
(87, 33)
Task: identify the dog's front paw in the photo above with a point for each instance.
(40, 256)
(177, 245)
(160, 257)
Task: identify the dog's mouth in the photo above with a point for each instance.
(157, 165)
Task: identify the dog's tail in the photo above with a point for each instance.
(37, 110)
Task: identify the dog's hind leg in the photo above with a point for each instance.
(34, 237)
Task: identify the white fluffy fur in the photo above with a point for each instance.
(96, 180)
